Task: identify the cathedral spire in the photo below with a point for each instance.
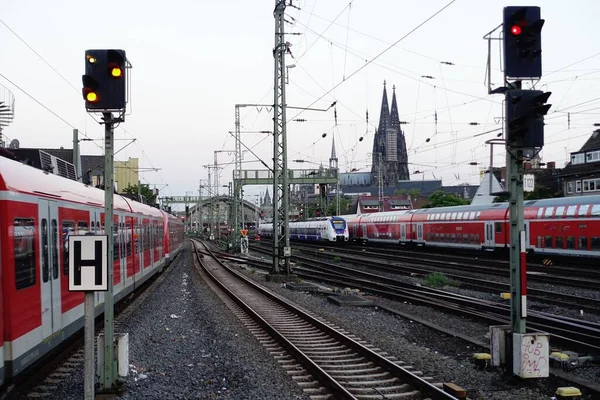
(384, 116)
(394, 116)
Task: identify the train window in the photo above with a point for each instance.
(454, 215)
(54, 249)
(549, 211)
(595, 210)
(460, 215)
(595, 243)
(571, 211)
(45, 268)
(548, 242)
(498, 227)
(477, 239)
(128, 236)
(122, 239)
(116, 241)
(559, 212)
(471, 238)
(138, 238)
(24, 246)
(453, 238)
(560, 242)
(478, 215)
(68, 228)
(583, 243)
(82, 227)
(571, 242)
(583, 210)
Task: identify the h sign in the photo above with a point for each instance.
(88, 264)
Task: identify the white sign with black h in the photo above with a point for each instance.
(88, 263)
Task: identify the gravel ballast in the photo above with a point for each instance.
(185, 343)
(445, 358)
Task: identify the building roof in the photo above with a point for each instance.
(584, 169)
(593, 142)
(355, 178)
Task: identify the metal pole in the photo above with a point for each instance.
(237, 174)
(281, 240)
(76, 155)
(199, 209)
(108, 379)
(518, 283)
(89, 373)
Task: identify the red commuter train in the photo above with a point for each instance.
(568, 226)
(38, 212)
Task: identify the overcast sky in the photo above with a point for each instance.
(194, 60)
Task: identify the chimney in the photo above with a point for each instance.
(551, 165)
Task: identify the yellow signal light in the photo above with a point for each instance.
(91, 97)
(116, 72)
(91, 59)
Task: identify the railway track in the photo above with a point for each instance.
(423, 265)
(572, 333)
(306, 273)
(322, 358)
(465, 262)
(468, 282)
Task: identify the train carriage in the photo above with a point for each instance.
(562, 226)
(331, 229)
(38, 213)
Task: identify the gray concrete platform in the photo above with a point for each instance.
(349, 301)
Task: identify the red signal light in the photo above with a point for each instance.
(515, 30)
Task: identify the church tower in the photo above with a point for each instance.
(389, 145)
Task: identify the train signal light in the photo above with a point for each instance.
(525, 111)
(104, 82)
(522, 42)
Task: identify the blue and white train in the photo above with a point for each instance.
(325, 229)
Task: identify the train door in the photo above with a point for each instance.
(139, 243)
(403, 232)
(50, 282)
(364, 231)
(120, 247)
(527, 240)
(489, 234)
(420, 232)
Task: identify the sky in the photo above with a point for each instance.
(194, 60)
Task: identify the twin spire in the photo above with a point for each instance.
(387, 118)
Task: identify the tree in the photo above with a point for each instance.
(443, 199)
(144, 191)
(412, 193)
(344, 206)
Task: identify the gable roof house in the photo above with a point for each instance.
(581, 176)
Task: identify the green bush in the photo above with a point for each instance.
(438, 279)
